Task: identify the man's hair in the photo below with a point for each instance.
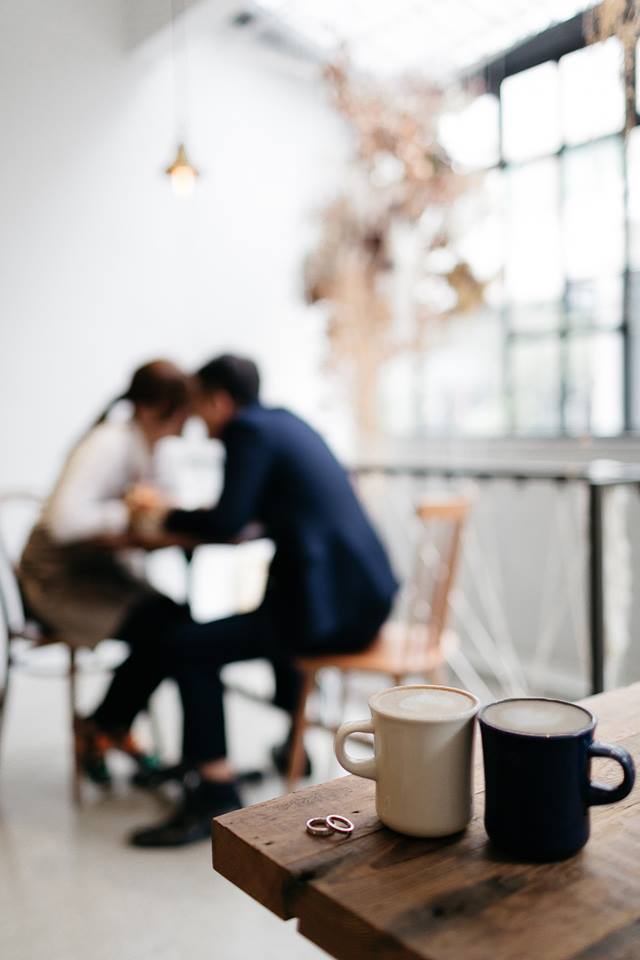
(237, 375)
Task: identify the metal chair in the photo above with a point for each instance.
(408, 648)
(22, 636)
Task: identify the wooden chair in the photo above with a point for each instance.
(22, 635)
(402, 649)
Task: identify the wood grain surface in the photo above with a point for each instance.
(377, 894)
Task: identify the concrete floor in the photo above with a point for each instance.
(70, 887)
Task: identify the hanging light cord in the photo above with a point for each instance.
(180, 67)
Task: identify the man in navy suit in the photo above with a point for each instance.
(329, 589)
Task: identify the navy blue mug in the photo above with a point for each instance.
(537, 771)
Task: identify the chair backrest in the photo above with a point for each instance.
(18, 512)
(436, 563)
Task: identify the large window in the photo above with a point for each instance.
(565, 284)
(565, 246)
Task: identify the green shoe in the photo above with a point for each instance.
(91, 748)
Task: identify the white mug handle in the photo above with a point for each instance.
(361, 768)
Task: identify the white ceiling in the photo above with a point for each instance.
(436, 37)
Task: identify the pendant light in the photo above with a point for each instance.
(181, 172)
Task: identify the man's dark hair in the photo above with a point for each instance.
(237, 375)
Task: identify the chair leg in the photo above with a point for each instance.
(4, 691)
(299, 723)
(156, 732)
(76, 790)
(438, 676)
(345, 689)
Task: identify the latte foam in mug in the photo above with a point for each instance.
(424, 703)
(537, 717)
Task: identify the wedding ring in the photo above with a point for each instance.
(319, 827)
(339, 824)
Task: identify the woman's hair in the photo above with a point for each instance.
(159, 384)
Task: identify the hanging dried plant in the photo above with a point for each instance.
(620, 19)
(402, 183)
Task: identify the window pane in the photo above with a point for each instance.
(536, 386)
(594, 209)
(592, 92)
(633, 196)
(596, 303)
(638, 77)
(531, 113)
(531, 318)
(594, 390)
(478, 219)
(634, 303)
(634, 346)
(399, 384)
(471, 136)
(462, 387)
(534, 251)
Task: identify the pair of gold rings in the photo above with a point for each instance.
(325, 826)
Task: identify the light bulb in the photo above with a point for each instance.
(182, 173)
(183, 180)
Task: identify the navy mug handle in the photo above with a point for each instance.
(599, 794)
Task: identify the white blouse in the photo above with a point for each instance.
(87, 499)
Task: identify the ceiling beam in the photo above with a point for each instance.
(146, 18)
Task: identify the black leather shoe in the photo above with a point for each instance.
(280, 757)
(153, 779)
(192, 820)
(149, 778)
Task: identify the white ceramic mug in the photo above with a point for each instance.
(423, 738)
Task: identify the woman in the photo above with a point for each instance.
(75, 572)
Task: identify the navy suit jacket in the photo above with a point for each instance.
(330, 573)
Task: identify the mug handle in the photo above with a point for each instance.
(361, 768)
(599, 794)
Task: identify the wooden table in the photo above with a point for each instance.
(377, 894)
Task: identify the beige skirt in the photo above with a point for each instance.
(80, 592)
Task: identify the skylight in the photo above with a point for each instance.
(435, 37)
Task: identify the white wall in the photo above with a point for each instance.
(101, 266)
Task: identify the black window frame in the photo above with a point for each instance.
(550, 46)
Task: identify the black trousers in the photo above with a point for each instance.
(166, 642)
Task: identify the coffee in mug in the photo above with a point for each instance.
(538, 717)
(423, 740)
(537, 759)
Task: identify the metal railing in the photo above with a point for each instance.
(594, 479)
